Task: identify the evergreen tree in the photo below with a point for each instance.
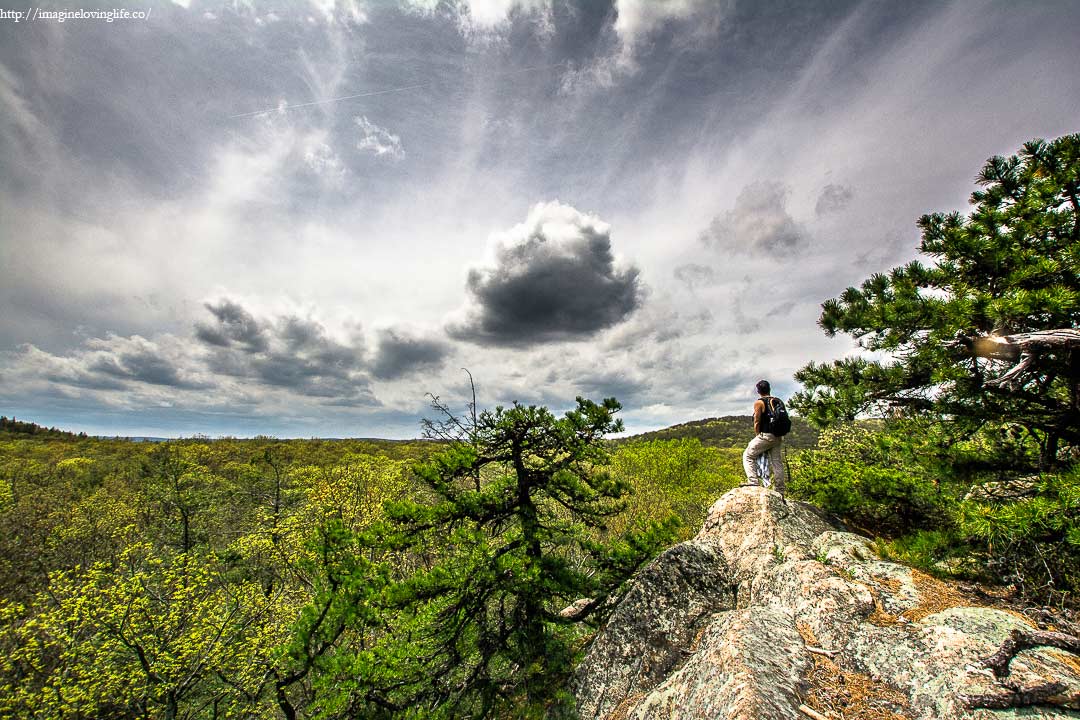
(519, 502)
(1012, 265)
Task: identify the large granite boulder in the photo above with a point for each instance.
(770, 612)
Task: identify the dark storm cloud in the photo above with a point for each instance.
(234, 325)
(694, 275)
(833, 198)
(554, 280)
(399, 355)
(292, 353)
(759, 224)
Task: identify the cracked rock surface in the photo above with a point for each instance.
(719, 627)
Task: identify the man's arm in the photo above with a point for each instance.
(759, 410)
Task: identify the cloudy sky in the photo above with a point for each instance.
(297, 219)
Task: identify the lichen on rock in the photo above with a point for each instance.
(721, 626)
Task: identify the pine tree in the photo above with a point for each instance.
(515, 527)
(1012, 265)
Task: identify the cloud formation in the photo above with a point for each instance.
(234, 325)
(360, 179)
(400, 355)
(759, 224)
(292, 353)
(694, 275)
(378, 141)
(138, 359)
(554, 278)
(833, 198)
(233, 352)
(635, 19)
(115, 363)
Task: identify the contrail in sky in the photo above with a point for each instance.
(372, 93)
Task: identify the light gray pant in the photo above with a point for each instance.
(769, 445)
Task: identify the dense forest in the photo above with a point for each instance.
(229, 578)
(462, 575)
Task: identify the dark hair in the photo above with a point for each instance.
(763, 387)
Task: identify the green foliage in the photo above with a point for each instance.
(1011, 265)
(1033, 541)
(949, 505)
(145, 638)
(204, 557)
(673, 477)
(872, 478)
(517, 507)
(941, 552)
(260, 579)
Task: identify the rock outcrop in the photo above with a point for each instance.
(770, 612)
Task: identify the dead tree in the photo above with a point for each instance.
(1045, 355)
(1016, 696)
(1026, 350)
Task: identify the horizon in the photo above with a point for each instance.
(625, 434)
(298, 220)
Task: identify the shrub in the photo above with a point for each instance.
(1033, 541)
(869, 477)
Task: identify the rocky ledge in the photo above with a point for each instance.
(770, 612)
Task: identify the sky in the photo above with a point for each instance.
(304, 219)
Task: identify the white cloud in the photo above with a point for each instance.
(332, 10)
(637, 18)
(323, 162)
(635, 22)
(378, 141)
(487, 15)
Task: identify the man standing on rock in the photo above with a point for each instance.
(771, 423)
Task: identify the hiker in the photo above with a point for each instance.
(771, 423)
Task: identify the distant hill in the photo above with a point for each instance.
(728, 431)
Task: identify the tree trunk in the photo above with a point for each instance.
(1023, 349)
(1048, 457)
(532, 606)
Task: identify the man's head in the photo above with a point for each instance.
(763, 387)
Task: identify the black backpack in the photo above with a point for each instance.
(775, 419)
